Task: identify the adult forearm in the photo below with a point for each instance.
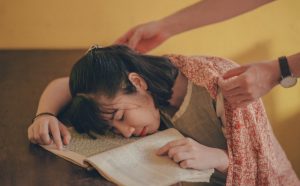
(273, 70)
(294, 63)
(207, 12)
(55, 96)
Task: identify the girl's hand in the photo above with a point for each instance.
(46, 128)
(190, 154)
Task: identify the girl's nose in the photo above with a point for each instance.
(125, 130)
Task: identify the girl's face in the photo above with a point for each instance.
(132, 114)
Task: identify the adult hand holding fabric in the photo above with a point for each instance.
(244, 84)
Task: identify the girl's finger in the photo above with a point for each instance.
(36, 134)
(54, 130)
(44, 134)
(164, 149)
(31, 135)
(181, 156)
(65, 133)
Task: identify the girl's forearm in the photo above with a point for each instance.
(55, 96)
(207, 12)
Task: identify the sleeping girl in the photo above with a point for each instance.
(115, 88)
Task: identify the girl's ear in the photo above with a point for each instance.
(137, 81)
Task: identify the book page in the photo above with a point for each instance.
(137, 163)
(82, 146)
(85, 145)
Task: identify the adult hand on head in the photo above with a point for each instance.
(188, 153)
(244, 84)
(43, 126)
(145, 37)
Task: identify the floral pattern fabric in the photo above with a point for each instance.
(255, 156)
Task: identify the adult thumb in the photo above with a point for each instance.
(135, 39)
(235, 72)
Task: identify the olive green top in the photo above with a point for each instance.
(196, 118)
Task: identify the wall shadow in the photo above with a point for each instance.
(258, 52)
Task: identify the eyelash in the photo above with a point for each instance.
(122, 118)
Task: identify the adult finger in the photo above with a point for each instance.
(164, 149)
(124, 39)
(245, 102)
(65, 133)
(136, 37)
(56, 135)
(232, 83)
(234, 92)
(238, 99)
(235, 71)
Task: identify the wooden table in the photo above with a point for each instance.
(23, 77)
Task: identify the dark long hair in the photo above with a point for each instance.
(105, 71)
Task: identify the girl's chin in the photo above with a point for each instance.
(150, 130)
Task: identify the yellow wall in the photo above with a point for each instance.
(265, 33)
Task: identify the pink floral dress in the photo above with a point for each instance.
(255, 156)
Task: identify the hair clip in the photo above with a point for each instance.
(95, 46)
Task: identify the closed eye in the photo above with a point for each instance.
(122, 118)
(119, 115)
(108, 115)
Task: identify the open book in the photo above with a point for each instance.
(130, 161)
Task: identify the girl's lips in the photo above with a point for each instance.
(143, 132)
